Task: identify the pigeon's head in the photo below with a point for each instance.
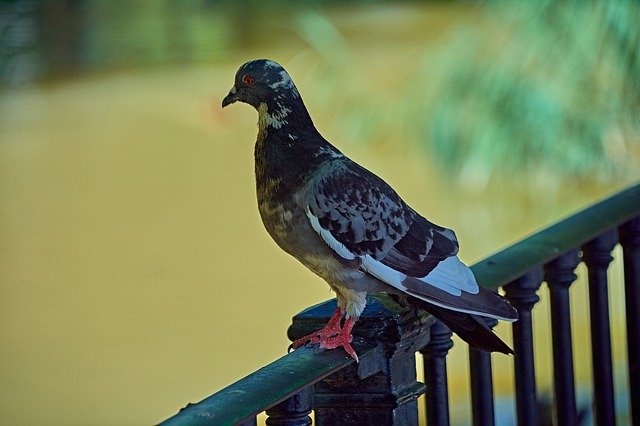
(261, 81)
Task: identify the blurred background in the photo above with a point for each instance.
(135, 275)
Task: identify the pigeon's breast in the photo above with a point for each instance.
(285, 221)
(278, 219)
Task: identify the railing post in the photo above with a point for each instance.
(522, 295)
(596, 254)
(435, 374)
(381, 389)
(482, 384)
(293, 411)
(630, 241)
(559, 275)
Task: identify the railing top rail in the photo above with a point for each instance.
(295, 371)
(514, 261)
(264, 388)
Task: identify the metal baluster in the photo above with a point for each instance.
(522, 295)
(630, 241)
(482, 384)
(435, 374)
(293, 411)
(596, 254)
(559, 275)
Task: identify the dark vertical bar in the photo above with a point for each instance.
(435, 374)
(630, 241)
(293, 411)
(559, 275)
(482, 384)
(522, 295)
(596, 254)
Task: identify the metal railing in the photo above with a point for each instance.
(382, 389)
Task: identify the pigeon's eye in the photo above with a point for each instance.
(248, 80)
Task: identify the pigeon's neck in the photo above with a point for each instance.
(280, 117)
(288, 148)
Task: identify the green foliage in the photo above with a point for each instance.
(123, 33)
(561, 96)
(547, 89)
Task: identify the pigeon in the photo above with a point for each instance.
(349, 227)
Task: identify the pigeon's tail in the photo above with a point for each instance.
(470, 328)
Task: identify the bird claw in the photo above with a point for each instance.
(340, 341)
(303, 341)
(315, 338)
(332, 342)
(332, 336)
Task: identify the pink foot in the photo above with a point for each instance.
(332, 336)
(331, 329)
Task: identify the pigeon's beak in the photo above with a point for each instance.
(231, 97)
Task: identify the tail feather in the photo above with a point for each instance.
(484, 303)
(470, 328)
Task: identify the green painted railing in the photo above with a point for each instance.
(382, 388)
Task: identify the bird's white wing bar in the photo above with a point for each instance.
(383, 272)
(442, 279)
(450, 275)
(331, 241)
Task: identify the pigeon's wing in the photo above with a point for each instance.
(368, 226)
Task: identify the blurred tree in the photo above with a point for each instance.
(60, 25)
(20, 56)
(545, 91)
(556, 92)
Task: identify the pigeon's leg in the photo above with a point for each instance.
(332, 336)
(331, 329)
(343, 339)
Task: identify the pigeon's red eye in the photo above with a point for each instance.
(248, 80)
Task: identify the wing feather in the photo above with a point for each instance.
(358, 214)
(368, 226)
